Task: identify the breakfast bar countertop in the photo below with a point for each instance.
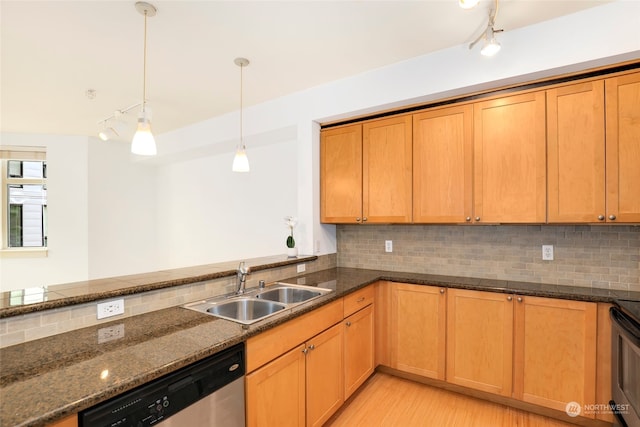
(48, 379)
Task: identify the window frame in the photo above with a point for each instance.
(22, 153)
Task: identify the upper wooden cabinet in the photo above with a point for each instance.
(623, 148)
(510, 159)
(443, 165)
(366, 172)
(341, 174)
(576, 153)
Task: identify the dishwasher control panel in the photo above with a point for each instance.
(159, 399)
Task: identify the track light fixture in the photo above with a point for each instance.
(143, 141)
(240, 161)
(467, 4)
(490, 45)
(111, 124)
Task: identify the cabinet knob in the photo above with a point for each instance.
(358, 219)
(348, 323)
(612, 217)
(311, 347)
(509, 298)
(468, 219)
(519, 299)
(442, 291)
(305, 350)
(364, 219)
(601, 217)
(477, 218)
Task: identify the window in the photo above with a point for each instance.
(24, 197)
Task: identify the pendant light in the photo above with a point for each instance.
(143, 142)
(490, 45)
(240, 161)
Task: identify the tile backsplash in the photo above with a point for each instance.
(591, 256)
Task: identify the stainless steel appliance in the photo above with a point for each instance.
(625, 364)
(209, 393)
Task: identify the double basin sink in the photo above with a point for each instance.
(258, 304)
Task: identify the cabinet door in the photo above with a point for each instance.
(443, 165)
(71, 421)
(341, 174)
(555, 352)
(623, 148)
(275, 393)
(510, 159)
(324, 375)
(358, 349)
(386, 173)
(480, 340)
(418, 317)
(576, 149)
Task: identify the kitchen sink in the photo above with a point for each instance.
(289, 294)
(259, 303)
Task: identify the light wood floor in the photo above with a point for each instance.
(385, 400)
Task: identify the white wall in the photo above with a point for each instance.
(200, 212)
(599, 36)
(67, 190)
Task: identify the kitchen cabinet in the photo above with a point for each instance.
(341, 174)
(622, 98)
(418, 329)
(71, 421)
(275, 393)
(443, 165)
(576, 153)
(324, 375)
(358, 339)
(295, 370)
(479, 349)
(603, 360)
(510, 159)
(555, 352)
(366, 172)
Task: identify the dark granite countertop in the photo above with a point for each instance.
(48, 379)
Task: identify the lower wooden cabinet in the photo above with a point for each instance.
(71, 421)
(480, 340)
(418, 319)
(555, 352)
(324, 376)
(275, 393)
(301, 387)
(358, 349)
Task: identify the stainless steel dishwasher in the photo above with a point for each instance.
(208, 393)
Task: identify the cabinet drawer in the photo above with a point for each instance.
(357, 300)
(270, 344)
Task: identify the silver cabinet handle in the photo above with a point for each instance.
(348, 323)
(519, 299)
(442, 291)
(601, 217)
(477, 218)
(468, 219)
(509, 298)
(612, 217)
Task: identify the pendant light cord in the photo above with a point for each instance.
(144, 66)
(241, 138)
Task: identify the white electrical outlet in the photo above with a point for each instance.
(388, 245)
(110, 308)
(110, 333)
(301, 268)
(547, 252)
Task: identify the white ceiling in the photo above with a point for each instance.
(53, 51)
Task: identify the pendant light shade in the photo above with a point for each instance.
(143, 141)
(241, 161)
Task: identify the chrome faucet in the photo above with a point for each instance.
(241, 274)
